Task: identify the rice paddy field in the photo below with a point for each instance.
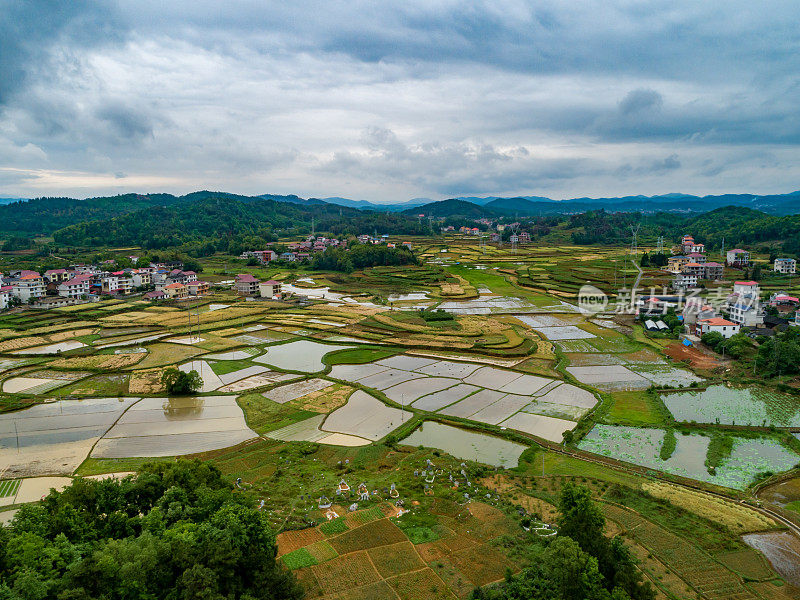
(746, 459)
(463, 418)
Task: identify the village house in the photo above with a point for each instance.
(155, 295)
(738, 258)
(77, 287)
(246, 285)
(141, 278)
(693, 268)
(717, 324)
(262, 256)
(5, 296)
(695, 310)
(684, 281)
(197, 288)
(746, 315)
(269, 289)
(56, 275)
(697, 257)
(176, 291)
(29, 285)
(116, 283)
(713, 271)
(676, 263)
(786, 266)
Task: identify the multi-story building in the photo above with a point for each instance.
(28, 286)
(693, 268)
(141, 278)
(5, 296)
(197, 288)
(717, 324)
(697, 257)
(675, 263)
(746, 315)
(269, 289)
(787, 266)
(738, 258)
(246, 285)
(176, 291)
(57, 275)
(713, 271)
(77, 287)
(684, 281)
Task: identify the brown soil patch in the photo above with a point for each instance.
(289, 541)
(696, 357)
(534, 506)
(420, 584)
(481, 564)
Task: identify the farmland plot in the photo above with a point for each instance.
(738, 406)
(365, 416)
(55, 438)
(301, 355)
(175, 426)
(642, 446)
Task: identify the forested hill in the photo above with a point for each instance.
(221, 217)
(737, 225)
(46, 215)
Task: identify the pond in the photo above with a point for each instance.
(728, 405)
(467, 445)
(302, 355)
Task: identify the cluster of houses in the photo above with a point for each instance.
(300, 251)
(85, 283)
(691, 266)
(250, 287)
(738, 311)
(295, 251)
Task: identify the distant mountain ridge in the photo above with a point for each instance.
(43, 216)
(774, 204)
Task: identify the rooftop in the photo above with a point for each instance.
(716, 321)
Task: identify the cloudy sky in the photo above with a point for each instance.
(387, 101)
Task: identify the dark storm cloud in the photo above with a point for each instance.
(400, 99)
(30, 31)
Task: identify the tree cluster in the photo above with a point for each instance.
(779, 355)
(734, 346)
(174, 531)
(362, 256)
(580, 564)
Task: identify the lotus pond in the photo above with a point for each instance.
(729, 405)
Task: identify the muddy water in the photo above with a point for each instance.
(782, 549)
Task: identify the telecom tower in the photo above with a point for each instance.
(514, 237)
(635, 239)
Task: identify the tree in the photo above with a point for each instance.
(173, 530)
(181, 383)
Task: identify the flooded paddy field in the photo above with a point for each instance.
(642, 446)
(536, 405)
(54, 438)
(300, 355)
(729, 405)
(782, 549)
(466, 445)
(175, 426)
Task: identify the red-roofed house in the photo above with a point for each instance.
(717, 324)
(713, 271)
(175, 290)
(246, 285)
(29, 285)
